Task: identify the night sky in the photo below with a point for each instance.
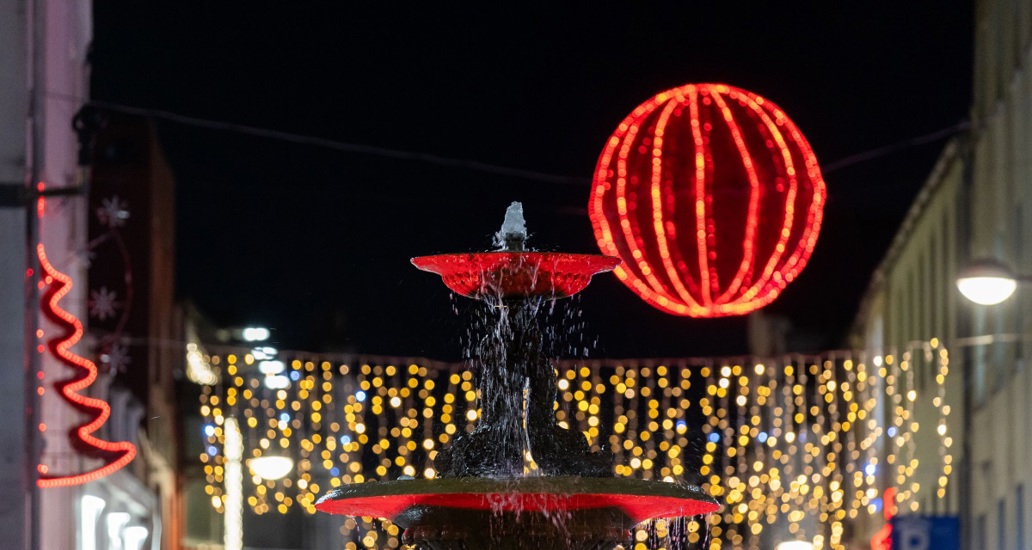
(315, 243)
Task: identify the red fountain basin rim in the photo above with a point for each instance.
(504, 274)
(640, 500)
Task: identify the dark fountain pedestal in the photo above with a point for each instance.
(453, 529)
(483, 499)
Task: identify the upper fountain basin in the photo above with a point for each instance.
(505, 274)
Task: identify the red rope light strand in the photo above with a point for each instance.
(711, 196)
(117, 454)
(657, 193)
(748, 250)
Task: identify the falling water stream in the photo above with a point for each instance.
(527, 480)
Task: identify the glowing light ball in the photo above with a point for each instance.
(712, 197)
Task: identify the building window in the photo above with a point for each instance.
(978, 357)
(1019, 518)
(1001, 359)
(980, 537)
(1018, 250)
(1003, 351)
(981, 68)
(1015, 20)
(1003, 70)
(1001, 524)
(928, 297)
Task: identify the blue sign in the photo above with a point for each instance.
(925, 533)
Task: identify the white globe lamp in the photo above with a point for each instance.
(987, 282)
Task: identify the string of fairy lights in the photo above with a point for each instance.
(794, 446)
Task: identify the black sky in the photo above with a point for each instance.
(315, 243)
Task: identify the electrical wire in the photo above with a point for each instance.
(468, 164)
(894, 147)
(358, 148)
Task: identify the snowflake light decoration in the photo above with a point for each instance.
(103, 303)
(113, 212)
(85, 257)
(117, 358)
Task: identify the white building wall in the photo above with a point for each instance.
(64, 31)
(911, 301)
(918, 281)
(14, 464)
(988, 214)
(1001, 217)
(43, 80)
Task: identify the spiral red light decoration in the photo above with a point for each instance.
(115, 454)
(711, 196)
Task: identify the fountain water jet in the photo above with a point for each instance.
(483, 499)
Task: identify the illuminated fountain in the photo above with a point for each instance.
(518, 480)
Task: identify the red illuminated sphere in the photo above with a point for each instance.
(712, 197)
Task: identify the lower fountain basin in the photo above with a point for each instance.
(639, 499)
(554, 512)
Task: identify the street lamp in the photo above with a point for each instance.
(270, 466)
(794, 545)
(256, 334)
(987, 282)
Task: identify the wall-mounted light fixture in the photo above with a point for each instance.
(988, 282)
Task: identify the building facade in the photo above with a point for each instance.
(976, 205)
(135, 336)
(1000, 203)
(89, 456)
(911, 305)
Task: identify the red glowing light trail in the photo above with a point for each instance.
(117, 454)
(712, 197)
